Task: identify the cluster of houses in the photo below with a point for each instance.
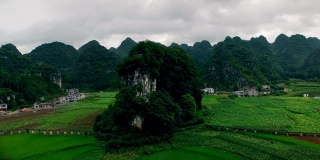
(73, 96)
(252, 91)
(3, 108)
(247, 91)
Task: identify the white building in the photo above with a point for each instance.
(239, 93)
(208, 91)
(252, 92)
(3, 106)
(43, 105)
(73, 95)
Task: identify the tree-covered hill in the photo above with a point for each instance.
(199, 52)
(291, 52)
(268, 66)
(162, 92)
(236, 63)
(23, 82)
(311, 66)
(228, 65)
(233, 65)
(125, 47)
(95, 67)
(55, 54)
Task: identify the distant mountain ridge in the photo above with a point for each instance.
(228, 65)
(55, 54)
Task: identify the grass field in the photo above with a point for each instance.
(35, 146)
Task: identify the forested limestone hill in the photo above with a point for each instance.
(227, 65)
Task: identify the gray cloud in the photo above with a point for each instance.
(28, 24)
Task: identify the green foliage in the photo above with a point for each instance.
(233, 64)
(159, 111)
(188, 105)
(311, 66)
(24, 81)
(292, 53)
(96, 67)
(55, 54)
(125, 47)
(199, 52)
(172, 68)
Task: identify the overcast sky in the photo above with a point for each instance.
(30, 23)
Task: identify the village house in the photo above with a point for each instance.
(239, 93)
(4, 106)
(247, 91)
(208, 91)
(266, 89)
(73, 91)
(251, 92)
(42, 105)
(73, 96)
(63, 100)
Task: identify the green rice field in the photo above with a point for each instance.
(46, 147)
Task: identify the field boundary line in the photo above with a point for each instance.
(46, 132)
(240, 129)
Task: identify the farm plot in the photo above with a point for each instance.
(73, 116)
(299, 87)
(49, 147)
(201, 143)
(266, 113)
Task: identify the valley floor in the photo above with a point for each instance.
(287, 114)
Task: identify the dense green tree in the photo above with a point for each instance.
(23, 81)
(125, 47)
(291, 52)
(233, 65)
(266, 58)
(96, 67)
(55, 54)
(199, 52)
(176, 99)
(311, 67)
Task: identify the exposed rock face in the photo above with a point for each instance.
(57, 80)
(137, 121)
(144, 84)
